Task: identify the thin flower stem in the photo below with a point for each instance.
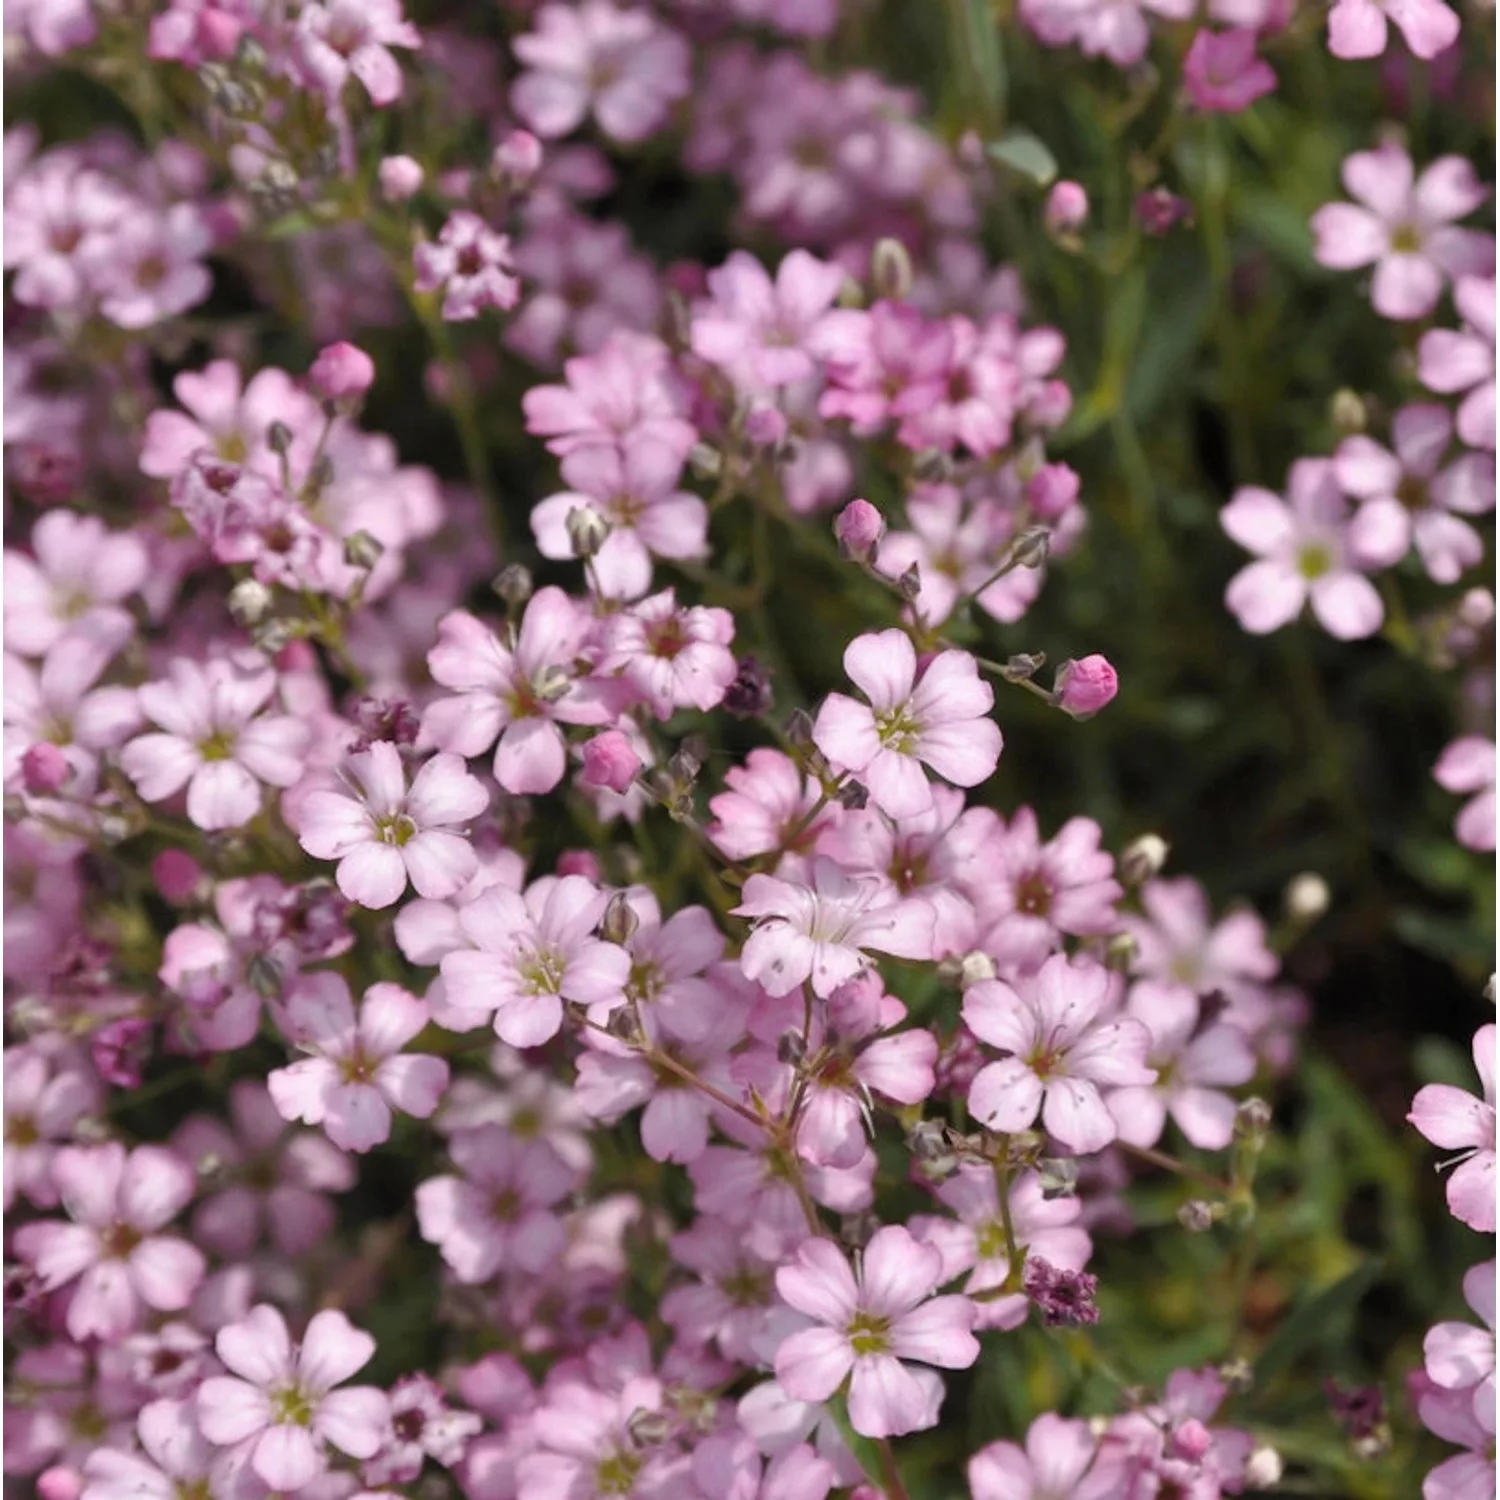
(998, 668)
(1171, 1164)
(669, 1064)
(890, 1475)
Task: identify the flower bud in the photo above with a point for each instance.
(975, 968)
(620, 922)
(1023, 666)
(1191, 1440)
(890, 270)
(766, 426)
(249, 602)
(1306, 897)
(59, 1483)
(799, 728)
(361, 550)
(513, 584)
(1347, 412)
(1031, 546)
(1160, 211)
(44, 769)
(910, 583)
(1082, 688)
(1052, 490)
(859, 528)
(1120, 952)
(1058, 1176)
(932, 466)
(580, 862)
(279, 438)
(1263, 1470)
(791, 1048)
(1477, 608)
(1252, 1119)
(177, 875)
(853, 797)
(587, 531)
(400, 178)
(610, 760)
(1144, 858)
(517, 160)
(341, 372)
(1197, 1216)
(749, 695)
(1067, 208)
(705, 461)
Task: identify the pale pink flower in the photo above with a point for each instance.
(1177, 941)
(1195, 1058)
(473, 265)
(46, 1094)
(352, 38)
(1059, 1043)
(633, 486)
(151, 266)
(732, 1465)
(197, 31)
(1450, 362)
(622, 66)
(1309, 550)
(672, 656)
(1404, 225)
(939, 720)
(768, 808)
(513, 693)
(1406, 497)
(359, 1073)
(215, 740)
(283, 1405)
(867, 1324)
(1117, 29)
(1169, 1445)
(1468, 766)
(1461, 1356)
(610, 760)
(383, 833)
(175, 1460)
(1452, 1416)
(499, 1212)
(979, 396)
(531, 954)
(112, 1249)
(56, 213)
(1063, 1460)
(81, 570)
(889, 361)
(1459, 1121)
(422, 1426)
(820, 931)
(1357, 28)
(728, 1301)
(1223, 73)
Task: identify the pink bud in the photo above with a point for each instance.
(766, 425)
(1082, 688)
(609, 760)
(1192, 1440)
(859, 529)
(400, 178)
(580, 862)
(177, 875)
(59, 1484)
(517, 159)
(1067, 208)
(341, 371)
(44, 769)
(1051, 490)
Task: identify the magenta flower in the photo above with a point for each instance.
(359, 1073)
(1058, 1045)
(1450, 362)
(1062, 1460)
(1459, 1121)
(346, 39)
(1404, 225)
(868, 1323)
(515, 695)
(112, 1249)
(1357, 28)
(499, 1212)
(81, 570)
(1309, 550)
(1468, 766)
(473, 265)
(1406, 498)
(622, 66)
(215, 740)
(1224, 74)
(1461, 1356)
(383, 834)
(283, 1405)
(529, 955)
(672, 656)
(940, 721)
(820, 931)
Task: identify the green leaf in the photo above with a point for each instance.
(1314, 1320)
(1023, 152)
(976, 39)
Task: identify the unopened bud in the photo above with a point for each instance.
(1477, 609)
(279, 437)
(1067, 208)
(687, 760)
(587, 531)
(799, 729)
(273, 636)
(1120, 952)
(361, 550)
(1264, 1469)
(890, 270)
(932, 466)
(910, 583)
(624, 1026)
(1082, 688)
(1057, 1176)
(1144, 858)
(1031, 546)
(859, 528)
(1306, 897)
(249, 602)
(44, 769)
(791, 1048)
(851, 294)
(1489, 989)
(852, 796)
(975, 967)
(1347, 412)
(857, 1230)
(610, 760)
(1238, 1376)
(265, 976)
(766, 426)
(704, 461)
(749, 695)
(926, 1140)
(647, 1429)
(322, 474)
(513, 584)
(341, 372)
(1197, 1216)
(400, 178)
(517, 160)
(619, 923)
(1252, 1119)
(1023, 666)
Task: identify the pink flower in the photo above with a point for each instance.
(197, 31)
(1452, 1416)
(868, 1324)
(81, 570)
(283, 1406)
(1460, 1356)
(1067, 208)
(422, 1426)
(358, 1073)
(1059, 1047)
(498, 1213)
(1308, 550)
(859, 528)
(214, 740)
(761, 332)
(1458, 1121)
(1062, 1460)
(609, 760)
(513, 694)
(1223, 73)
(175, 1460)
(1405, 227)
(1172, 1443)
(768, 798)
(1406, 499)
(1468, 765)
(940, 721)
(1357, 28)
(672, 656)
(45, 1096)
(977, 399)
(819, 932)
(150, 268)
(341, 371)
(623, 66)
(117, 1203)
(353, 38)
(1082, 688)
(530, 955)
(473, 265)
(888, 362)
(383, 834)
(634, 487)
(1449, 362)
(401, 177)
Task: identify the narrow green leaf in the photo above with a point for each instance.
(1314, 1320)
(1023, 152)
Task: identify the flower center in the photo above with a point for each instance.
(1314, 560)
(409, 1424)
(505, 1205)
(399, 830)
(616, 1474)
(990, 1240)
(219, 746)
(119, 1240)
(897, 730)
(357, 1068)
(1412, 493)
(1034, 895)
(542, 970)
(1406, 239)
(869, 1334)
(20, 1130)
(290, 1407)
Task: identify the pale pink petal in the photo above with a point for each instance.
(1006, 1096)
(812, 1365)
